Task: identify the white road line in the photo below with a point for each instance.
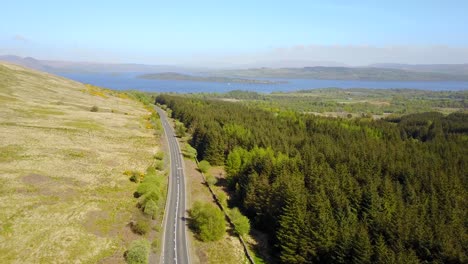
(175, 222)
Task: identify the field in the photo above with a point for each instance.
(64, 147)
(354, 102)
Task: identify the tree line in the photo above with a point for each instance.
(333, 190)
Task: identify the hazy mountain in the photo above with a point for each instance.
(461, 69)
(26, 62)
(342, 73)
(217, 79)
(83, 67)
(293, 64)
(276, 69)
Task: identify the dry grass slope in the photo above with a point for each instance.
(63, 195)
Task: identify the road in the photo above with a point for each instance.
(175, 248)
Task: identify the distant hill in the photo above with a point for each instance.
(186, 77)
(292, 64)
(276, 69)
(343, 73)
(461, 69)
(86, 67)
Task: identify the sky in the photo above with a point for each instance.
(237, 32)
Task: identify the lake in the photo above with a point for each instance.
(126, 81)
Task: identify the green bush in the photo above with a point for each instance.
(138, 252)
(211, 180)
(148, 197)
(151, 208)
(207, 221)
(180, 129)
(155, 245)
(141, 227)
(204, 166)
(240, 221)
(189, 151)
(222, 198)
(159, 165)
(159, 155)
(150, 183)
(151, 171)
(149, 192)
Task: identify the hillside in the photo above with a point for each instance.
(53, 66)
(343, 73)
(441, 68)
(63, 150)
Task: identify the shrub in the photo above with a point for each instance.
(189, 151)
(208, 221)
(159, 155)
(211, 180)
(159, 165)
(151, 182)
(134, 178)
(204, 166)
(180, 129)
(222, 198)
(151, 208)
(155, 245)
(149, 196)
(141, 227)
(149, 192)
(240, 221)
(150, 171)
(94, 109)
(138, 252)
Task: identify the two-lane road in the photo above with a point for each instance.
(174, 249)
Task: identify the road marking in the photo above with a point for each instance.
(175, 156)
(175, 222)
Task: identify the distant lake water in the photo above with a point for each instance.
(128, 81)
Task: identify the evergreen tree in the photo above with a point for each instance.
(292, 235)
(361, 249)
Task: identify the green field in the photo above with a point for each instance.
(352, 102)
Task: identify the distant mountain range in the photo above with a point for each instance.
(88, 67)
(460, 69)
(343, 73)
(281, 69)
(218, 79)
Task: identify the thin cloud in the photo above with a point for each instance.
(333, 55)
(366, 54)
(21, 38)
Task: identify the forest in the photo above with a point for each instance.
(338, 190)
(354, 101)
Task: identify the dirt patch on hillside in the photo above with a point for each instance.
(92, 222)
(36, 179)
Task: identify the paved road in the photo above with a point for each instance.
(174, 249)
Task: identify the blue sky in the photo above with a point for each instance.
(174, 32)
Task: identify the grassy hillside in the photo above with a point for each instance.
(64, 149)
